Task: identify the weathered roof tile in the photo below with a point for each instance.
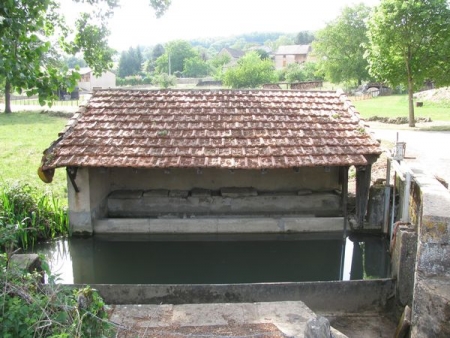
(220, 129)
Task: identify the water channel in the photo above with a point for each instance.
(218, 259)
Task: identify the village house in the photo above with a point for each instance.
(212, 161)
(233, 54)
(286, 55)
(89, 81)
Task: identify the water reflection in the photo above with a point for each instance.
(216, 259)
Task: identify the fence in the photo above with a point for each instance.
(57, 103)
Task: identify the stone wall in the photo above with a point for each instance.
(305, 191)
(184, 203)
(430, 217)
(314, 178)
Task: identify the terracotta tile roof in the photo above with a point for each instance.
(221, 129)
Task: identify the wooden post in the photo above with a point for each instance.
(363, 175)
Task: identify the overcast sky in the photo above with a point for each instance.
(134, 23)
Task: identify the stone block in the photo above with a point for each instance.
(433, 259)
(375, 209)
(318, 327)
(199, 192)
(304, 192)
(313, 224)
(126, 194)
(156, 193)
(27, 262)
(238, 192)
(435, 230)
(431, 308)
(179, 193)
(403, 259)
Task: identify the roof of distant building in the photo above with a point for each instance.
(234, 53)
(293, 50)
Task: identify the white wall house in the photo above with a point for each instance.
(89, 81)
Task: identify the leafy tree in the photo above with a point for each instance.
(339, 47)
(409, 43)
(304, 38)
(31, 33)
(130, 62)
(124, 68)
(262, 54)
(175, 53)
(195, 67)
(250, 72)
(157, 51)
(283, 40)
(217, 64)
(160, 6)
(25, 29)
(73, 61)
(239, 44)
(295, 72)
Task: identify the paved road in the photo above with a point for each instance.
(431, 149)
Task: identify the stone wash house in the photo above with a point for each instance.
(239, 161)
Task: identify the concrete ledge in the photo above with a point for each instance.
(218, 225)
(242, 202)
(348, 296)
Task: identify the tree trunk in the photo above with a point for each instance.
(412, 122)
(411, 119)
(7, 97)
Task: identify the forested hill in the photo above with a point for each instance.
(256, 38)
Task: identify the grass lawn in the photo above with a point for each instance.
(23, 138)
(397, 106)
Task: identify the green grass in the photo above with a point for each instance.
(23, 138)
(397, 106)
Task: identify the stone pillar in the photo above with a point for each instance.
(80, 218)
(376, 205)
(363, 174)
(403, 260)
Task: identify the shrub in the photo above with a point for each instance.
(165, 81)
(38, 213)
(30, 309)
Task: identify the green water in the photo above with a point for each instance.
(216, 259)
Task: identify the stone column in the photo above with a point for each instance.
(363, 174)
(80, 219)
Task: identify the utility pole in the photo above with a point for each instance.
(170, 66)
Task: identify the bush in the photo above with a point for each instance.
(134, 80)
(250, 72)
(295, 72)
(165, 81)
(29, 308)
(38, 214)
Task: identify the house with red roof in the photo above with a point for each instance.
(212, 161)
